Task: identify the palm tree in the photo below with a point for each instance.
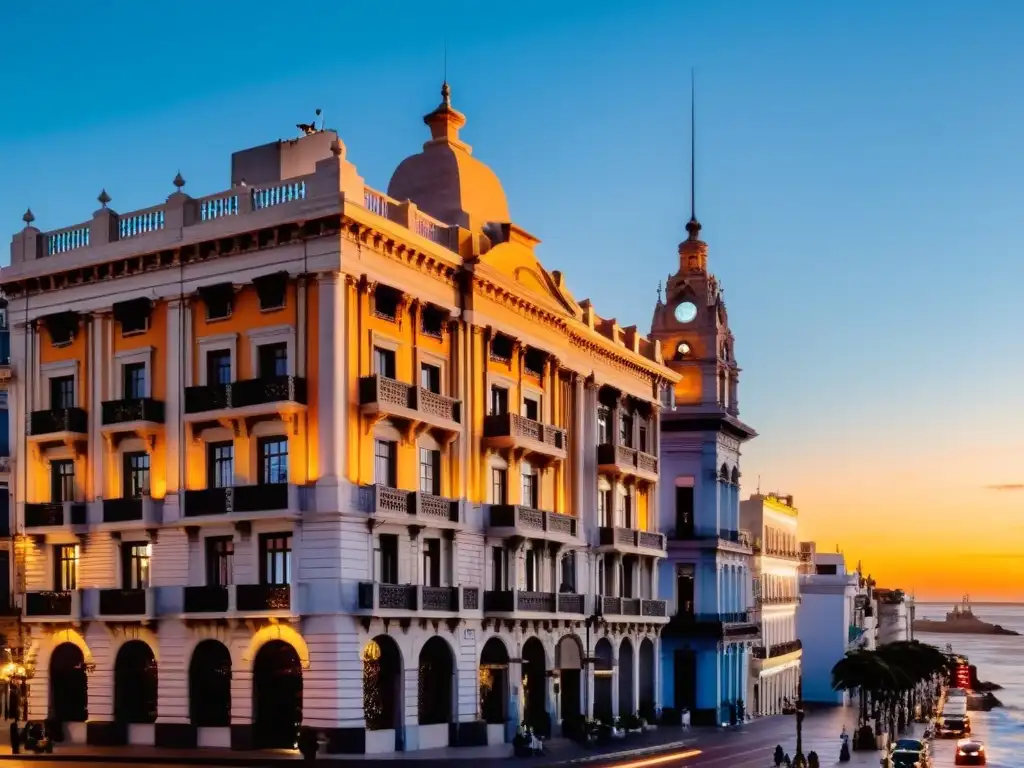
(868, 673)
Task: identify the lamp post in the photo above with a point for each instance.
(799, 761)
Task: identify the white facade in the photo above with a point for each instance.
(895, 616)
(835, 615)
(775, 671)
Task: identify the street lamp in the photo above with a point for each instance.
(799, 761)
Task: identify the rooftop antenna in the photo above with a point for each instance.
(758, 485)
(693, 146)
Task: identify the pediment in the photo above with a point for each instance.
(518, 263)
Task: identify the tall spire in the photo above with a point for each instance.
(693, 226)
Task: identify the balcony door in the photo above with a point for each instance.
(273, 360)
(62, 392)
(135, 564)
(220, 465)
(133, 381)
(685, 590)
(62, 480)
(135, 475)
(385, 463)
(65, 567)
(273, 452)
(220, 561)
(218, 367)
(276, 559)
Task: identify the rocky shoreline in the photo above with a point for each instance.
(962, 627)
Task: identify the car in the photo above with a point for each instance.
(955, 726)
(970, 752)
(910, 745)
(956, 692)
(906, 758)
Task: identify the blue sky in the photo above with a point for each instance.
(859, 182)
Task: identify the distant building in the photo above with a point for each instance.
(836, 614)
(775, 663)
(895, 616)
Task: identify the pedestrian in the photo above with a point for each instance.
(15, 738)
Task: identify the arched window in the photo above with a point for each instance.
(209, 685)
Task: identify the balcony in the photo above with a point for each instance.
(632, 541)
(385, 599)
(58, 425)
(777, 650)
(510, 430)
(55, 515)
(144, 509)
(263, 598)
(548, 603)
(411, 507)
(778, 600)
(126, 603)
(722, 539)
(279, 395)
(622, 460)
(53, 606)
(514, 520)
(243, 500)
(381, 397)
(723, 626)
(628, 607)
(140, 415)
(206, 599)
(782, 554)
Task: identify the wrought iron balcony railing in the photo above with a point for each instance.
(242, 394)
(58, 420)
(122, 602)
(54, 514)
(263, 597)
(528, 519)
(609, 536)
(137, 409)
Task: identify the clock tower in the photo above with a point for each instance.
(692, 325)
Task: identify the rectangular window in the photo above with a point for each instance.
(65, 567)
(604, 497)
(220, 465)
(568, 572)
(499, 400)
(385, 466)
(135, 565)
(273, 360)
(218, 367)
(531, 408)
(499, 582)
(432, 562)
(430, 471)
(625, 510)
(62, 480)
(642, 443)
(430, 378)
(604, 435)
(432, 323)
(531, 570)
(499, 486)
(273, 460)
(684, 513)
(220, 561)
(530, 490)
(133, 381)
(626, 430)
(276, 558)
(685, 590)
(62, 392)
(135, 475)
(384, 362)
(626, 570)
(388, 558)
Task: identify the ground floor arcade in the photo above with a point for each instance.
(366, 685)
(774, 688)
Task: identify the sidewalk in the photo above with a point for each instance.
(557, 752)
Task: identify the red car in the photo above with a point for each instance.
(970, 752)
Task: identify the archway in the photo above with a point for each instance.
(569, 660)
(647, 679)
(436, 682)
(276, 696)
(69, 685)
(135, 683)
(382, 684)
(535, 684)
(209, 685)
(626, 704)
(603, 660)
(494, 682)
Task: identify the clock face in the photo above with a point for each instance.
(686, 311)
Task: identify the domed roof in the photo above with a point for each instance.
(445, 180)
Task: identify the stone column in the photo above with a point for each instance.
(615, 682)
(332, 357)
(97, 361)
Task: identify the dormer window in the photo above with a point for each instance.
(272, 291)
(534, 361)
(133, 316)
(432, 321)
(62, 328)
(501, 348)
(218, 300)
(385, 303)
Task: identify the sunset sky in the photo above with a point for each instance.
(860, 173)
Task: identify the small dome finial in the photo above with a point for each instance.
(179, 181)
(103, 197)
(446, 94)
(29, 217)
(693, 228)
